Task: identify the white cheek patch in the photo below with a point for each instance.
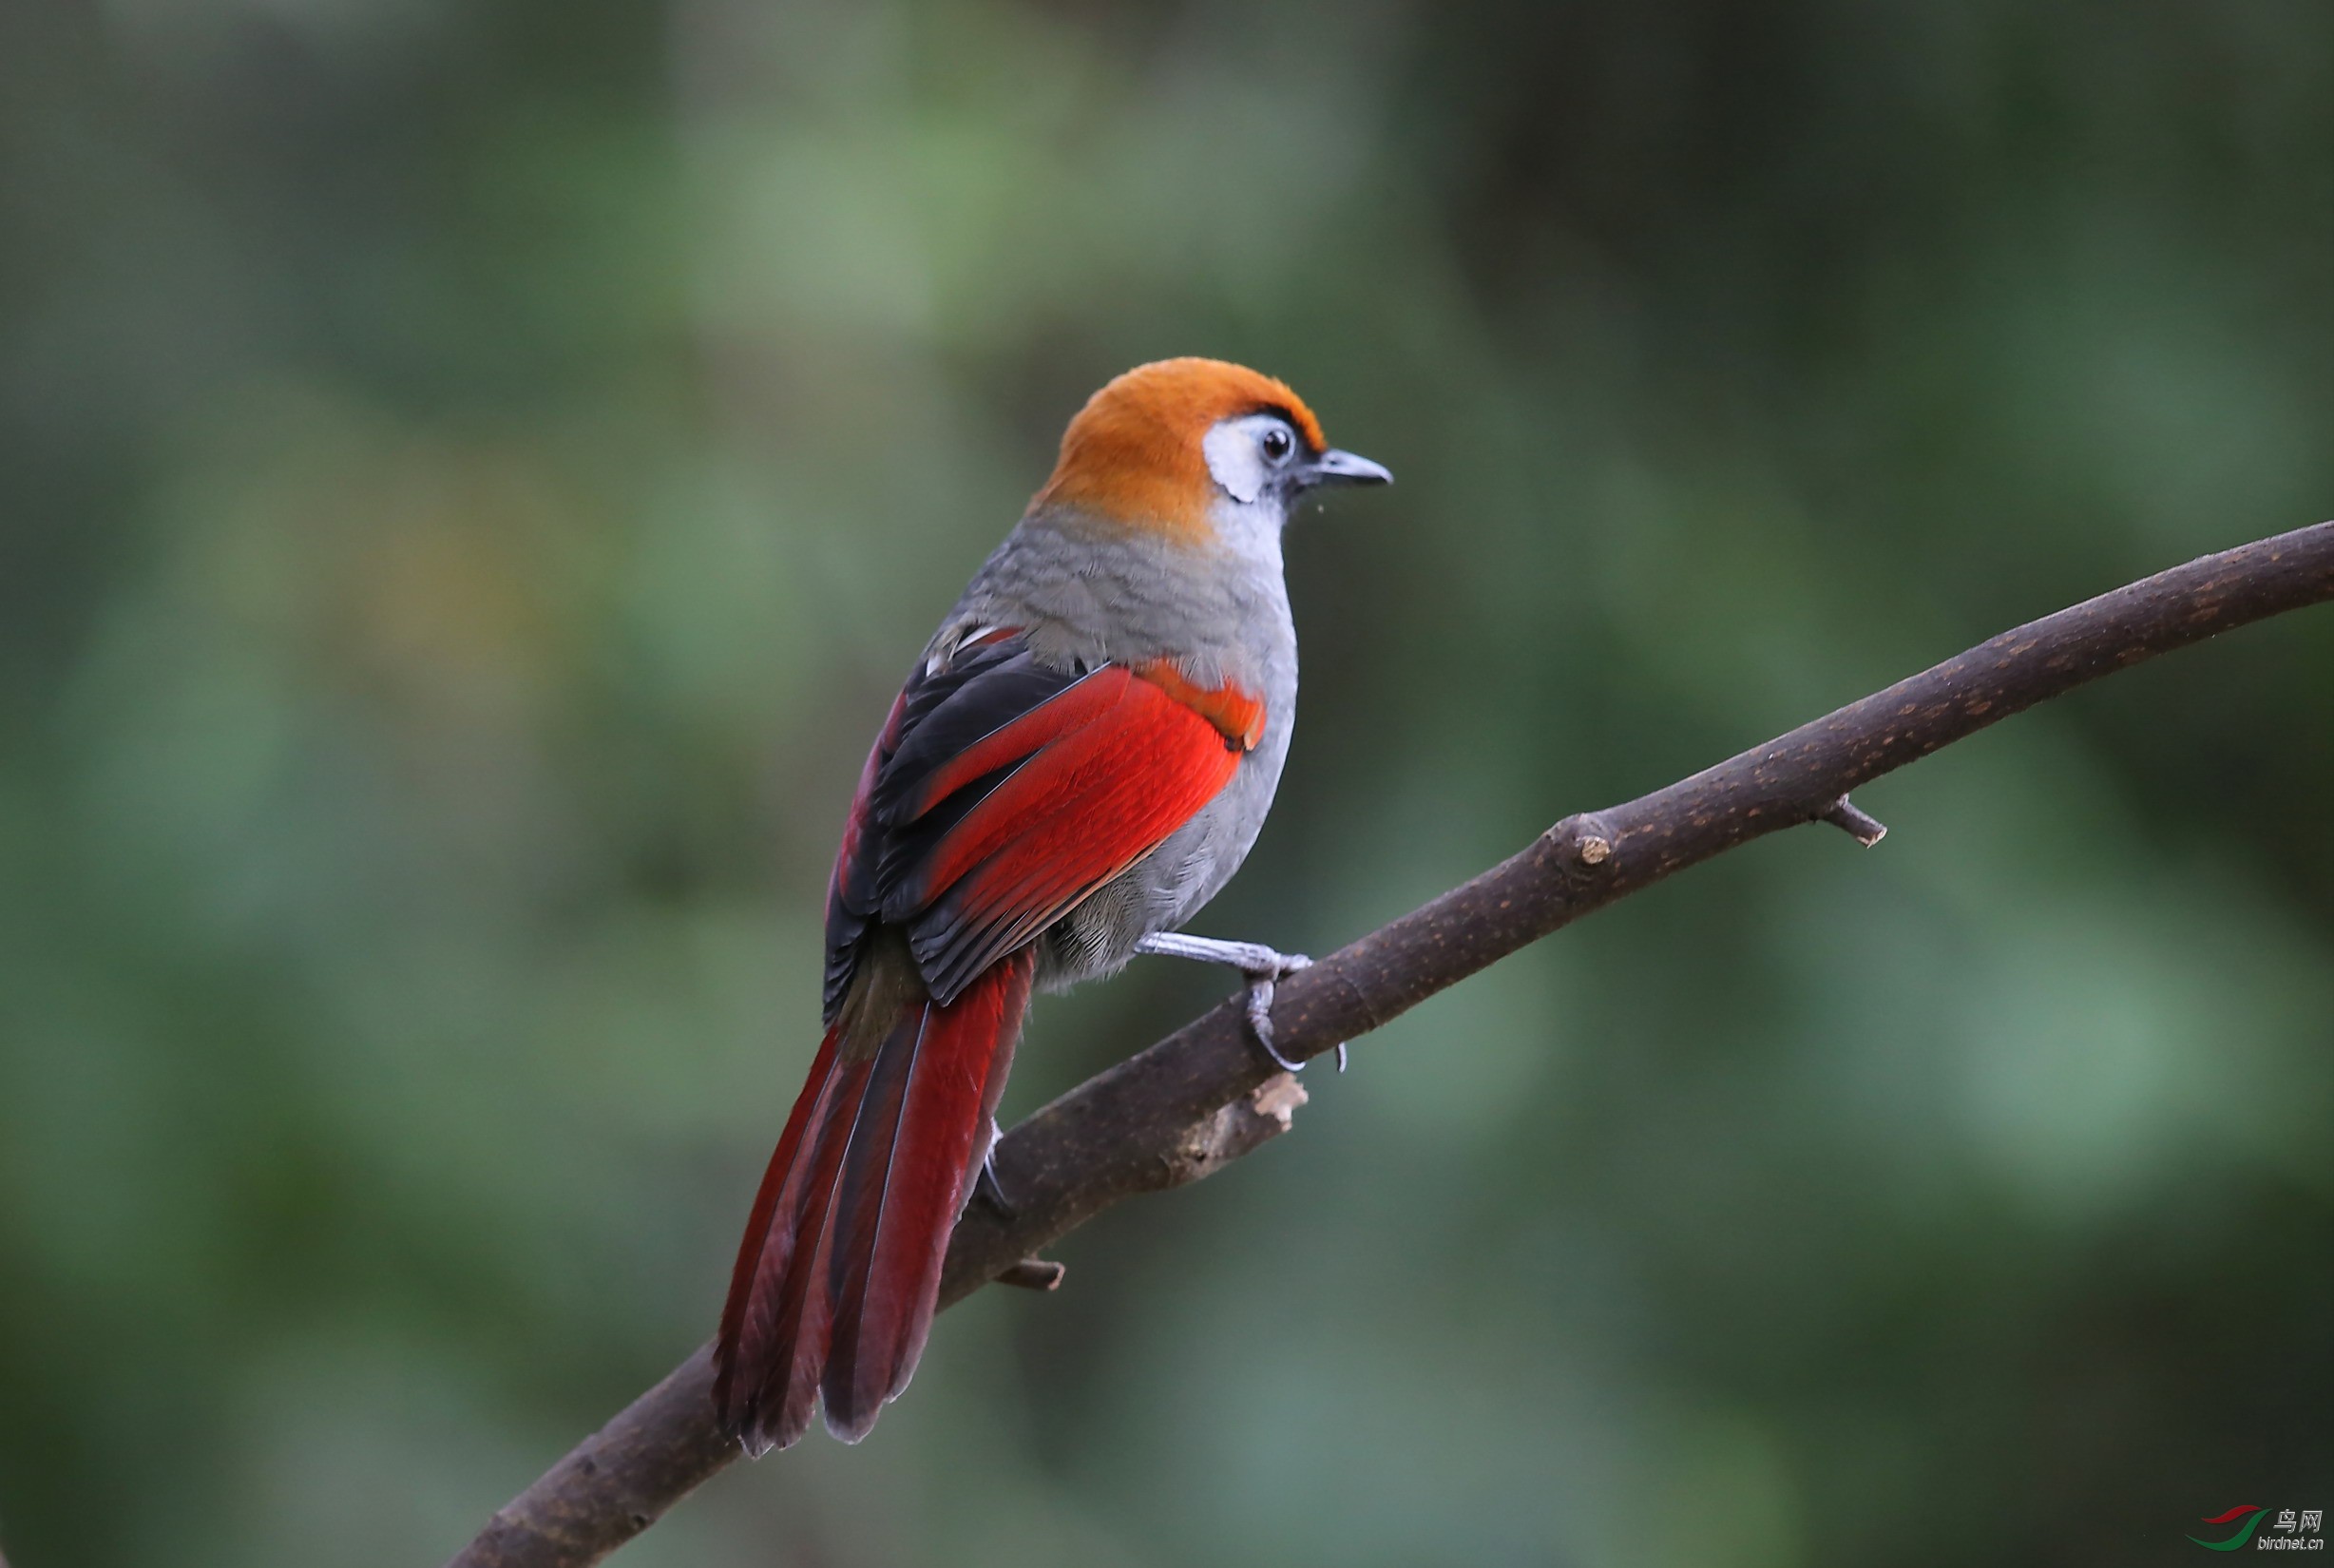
(1233, 460)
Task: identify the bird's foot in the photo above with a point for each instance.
(1261, 984)
(1263, 968)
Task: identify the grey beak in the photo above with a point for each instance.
(1341, 468)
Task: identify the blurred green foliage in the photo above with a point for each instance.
(475, 474)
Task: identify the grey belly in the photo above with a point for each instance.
(1166, 888)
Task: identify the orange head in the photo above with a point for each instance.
(1161, 445)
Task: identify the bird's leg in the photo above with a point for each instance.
(1264, 967)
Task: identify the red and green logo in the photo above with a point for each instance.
(2244, 1533)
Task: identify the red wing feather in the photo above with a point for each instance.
(1005, 789)
(1082, 807)
(1075, 707)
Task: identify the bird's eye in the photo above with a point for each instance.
(1277, 444)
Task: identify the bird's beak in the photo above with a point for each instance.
(1339, 468)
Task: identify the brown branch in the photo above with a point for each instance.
(1204, 1096)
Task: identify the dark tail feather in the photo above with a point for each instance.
(904, 1186)
(759, 1331)
(839, 1273)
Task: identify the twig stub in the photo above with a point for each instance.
(1584, 839)
(1855, 821)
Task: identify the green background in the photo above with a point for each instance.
(471, 476)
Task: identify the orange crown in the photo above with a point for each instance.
(1133, 453)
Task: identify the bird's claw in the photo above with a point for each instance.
(1260, 1020)
(1261, 984)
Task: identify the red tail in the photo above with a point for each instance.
(835, 1284)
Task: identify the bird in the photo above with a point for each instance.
(1079, 759)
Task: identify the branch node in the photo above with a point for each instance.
(1855, 821)
(1584, 838)
(1034, 1274)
